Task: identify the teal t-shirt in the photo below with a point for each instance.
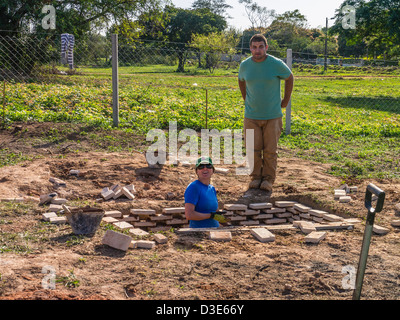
(263, 87)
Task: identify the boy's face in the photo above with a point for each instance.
(258, 50)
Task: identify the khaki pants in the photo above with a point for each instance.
(266, 137)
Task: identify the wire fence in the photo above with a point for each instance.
(39, 59)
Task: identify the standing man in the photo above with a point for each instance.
(260, 79)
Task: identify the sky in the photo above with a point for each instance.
(316, 12)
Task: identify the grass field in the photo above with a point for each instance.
(349, 117)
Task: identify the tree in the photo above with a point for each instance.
(184, 23)
(377, 27)
(215, 6)
(259, 17)
(214, 45)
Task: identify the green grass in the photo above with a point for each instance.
(350, 122)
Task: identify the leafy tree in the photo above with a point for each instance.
(215, 6)
(184, 23)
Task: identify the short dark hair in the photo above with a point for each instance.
(259, 38)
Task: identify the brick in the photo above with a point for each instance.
(315, 237)
(143, 212)
(285, 204)
(127, 193)
(129, 218)
(263, 235)
(57, 181)
(305, 226)
(117, 193)
(263, 216)
(117, 240)
(142, 244)
(109, 219)
(237, 218)
(220, 236)
(176, 221)
(353, 189)
(306, 216)
(283, 215)
(138, 232)
(249, 212)
(317, 213)
(55, 208)
(58, 220)
(58, 201)
(159, 228)
(131, 188)
(301, 207)
(275, 221)
(380, 230)
(221, 170)
(258, 206)
(113, 213)
(395, 223)
(249, 223)
(46, 216)
(144, 224)
(332, 217)
(235, 207)
(160, 238)
(344, 199)
(174, 210)
(161, 217)
(123, 225)
(275, 210)
(107, 194)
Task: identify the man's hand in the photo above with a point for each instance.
(219, 216)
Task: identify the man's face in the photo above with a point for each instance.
(258, 50)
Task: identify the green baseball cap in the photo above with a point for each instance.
(204, 160)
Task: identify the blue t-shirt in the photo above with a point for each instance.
(204, 198)
(263, 87)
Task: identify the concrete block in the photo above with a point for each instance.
(380, 230)
(317, 213)
(142, 244)
(142, 224)
(258, 206)
(176, 221)
(107, 194)
(315, 237)
(283, 215)
(275, 210)
(58, 201)
(395, 223)
(301, 207)
(285, 204)
(58, 220)
(263, 235)
(249, 212)
(117, 193)
(160, 238)
(117, 240)
(55, 208)
(123, 225)
(344, 199)
(332, 217)
(127, 193)
(237, 218)
(174, 210)
(221, 170)
(220, 236)
(263, 216)
(46, 216)
(249, 223)
(113, 213)
(138, 232)
(305, 226)
(235, 207)
(160, 217)
(148, 212)
(128, 218)
(275, 221)
(109, 219)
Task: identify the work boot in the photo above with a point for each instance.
(266, 185)
(255, 184)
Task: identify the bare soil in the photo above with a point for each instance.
(189, 266)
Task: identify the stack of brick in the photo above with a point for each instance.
(116, 191)
(148, 219)
(281, 212)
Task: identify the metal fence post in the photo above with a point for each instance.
(114, 41)
(289, 60)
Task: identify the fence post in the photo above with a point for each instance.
(289, 106)
(114, 41)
